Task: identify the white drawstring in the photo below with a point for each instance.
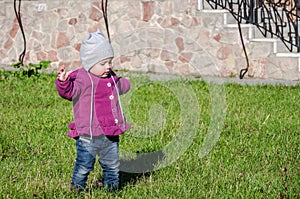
(92, 106)
(123, 118)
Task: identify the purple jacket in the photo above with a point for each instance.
(96, 106)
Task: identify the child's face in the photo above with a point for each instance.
(102, 68)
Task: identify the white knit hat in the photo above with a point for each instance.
(95, 48)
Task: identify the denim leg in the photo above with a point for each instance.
(110, 163)
(85, 161)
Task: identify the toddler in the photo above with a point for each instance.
(94, 90)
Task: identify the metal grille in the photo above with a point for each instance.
(273, 18)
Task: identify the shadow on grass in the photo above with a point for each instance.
(142, 166)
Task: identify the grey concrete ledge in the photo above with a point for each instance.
(208, 79)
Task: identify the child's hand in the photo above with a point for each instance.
(62, 75)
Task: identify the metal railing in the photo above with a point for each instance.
(273, 18)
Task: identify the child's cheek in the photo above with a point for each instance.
(102, 69)
(98, 70)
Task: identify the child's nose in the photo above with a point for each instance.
(108, 66)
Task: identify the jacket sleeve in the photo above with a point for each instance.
(123, 85)
(66, 89)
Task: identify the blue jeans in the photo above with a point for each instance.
(87, 150)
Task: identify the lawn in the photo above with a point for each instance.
(189, 139)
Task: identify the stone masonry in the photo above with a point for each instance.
(163, 36)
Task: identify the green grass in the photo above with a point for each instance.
(259, 138)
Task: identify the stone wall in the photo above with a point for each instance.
(169, 36)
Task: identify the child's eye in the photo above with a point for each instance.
(104, 63)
